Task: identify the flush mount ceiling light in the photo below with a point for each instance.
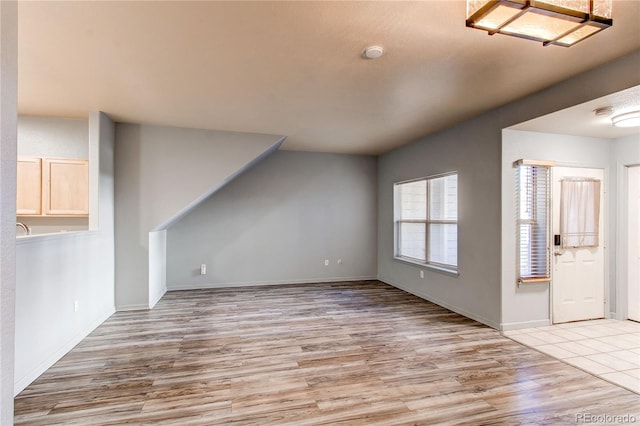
(628, 119)
(559, 22)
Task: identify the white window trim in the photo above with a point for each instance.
(446, 269)
(429, 266)
(535, 204)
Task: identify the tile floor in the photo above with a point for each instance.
(607, 348)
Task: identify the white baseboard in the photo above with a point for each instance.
(142, 306)
(20, 383)
(157, 298)
(174, 287)
(134, 307)
(506, 326)
(453, 308)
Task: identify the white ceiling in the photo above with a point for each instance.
(289, 68)
(581, 120)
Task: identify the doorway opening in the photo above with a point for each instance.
(633, 243)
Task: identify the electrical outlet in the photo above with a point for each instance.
(326, 262)
(421, 274)
(76, 305)
(203, 269)
(339, 261)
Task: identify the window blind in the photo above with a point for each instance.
(533, 186)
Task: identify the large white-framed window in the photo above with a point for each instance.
(533, 195)
(426, 221)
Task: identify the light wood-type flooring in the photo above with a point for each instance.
(340, 353)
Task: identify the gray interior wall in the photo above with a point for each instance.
(160, 171)
(8, 138)
(53, 137)
(529, 305)
(473, 148)
(626, 151)
(279, 222)
(56, 271)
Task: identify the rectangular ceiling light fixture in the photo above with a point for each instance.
(559, 22)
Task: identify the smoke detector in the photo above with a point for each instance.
(603, 111)
(373, 52)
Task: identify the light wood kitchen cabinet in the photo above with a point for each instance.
(52, 187)
(29, 186)
(65, 189)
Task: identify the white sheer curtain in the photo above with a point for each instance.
(579, 212)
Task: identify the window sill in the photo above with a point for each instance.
(529, 281)
(439, 269)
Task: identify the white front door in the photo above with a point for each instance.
(577, 285)
(633, 274)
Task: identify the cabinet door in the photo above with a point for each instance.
(66, 187)
(29, 186)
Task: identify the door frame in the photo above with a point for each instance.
(622, 241)
(605, 235)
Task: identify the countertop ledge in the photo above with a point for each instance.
(28, 239)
